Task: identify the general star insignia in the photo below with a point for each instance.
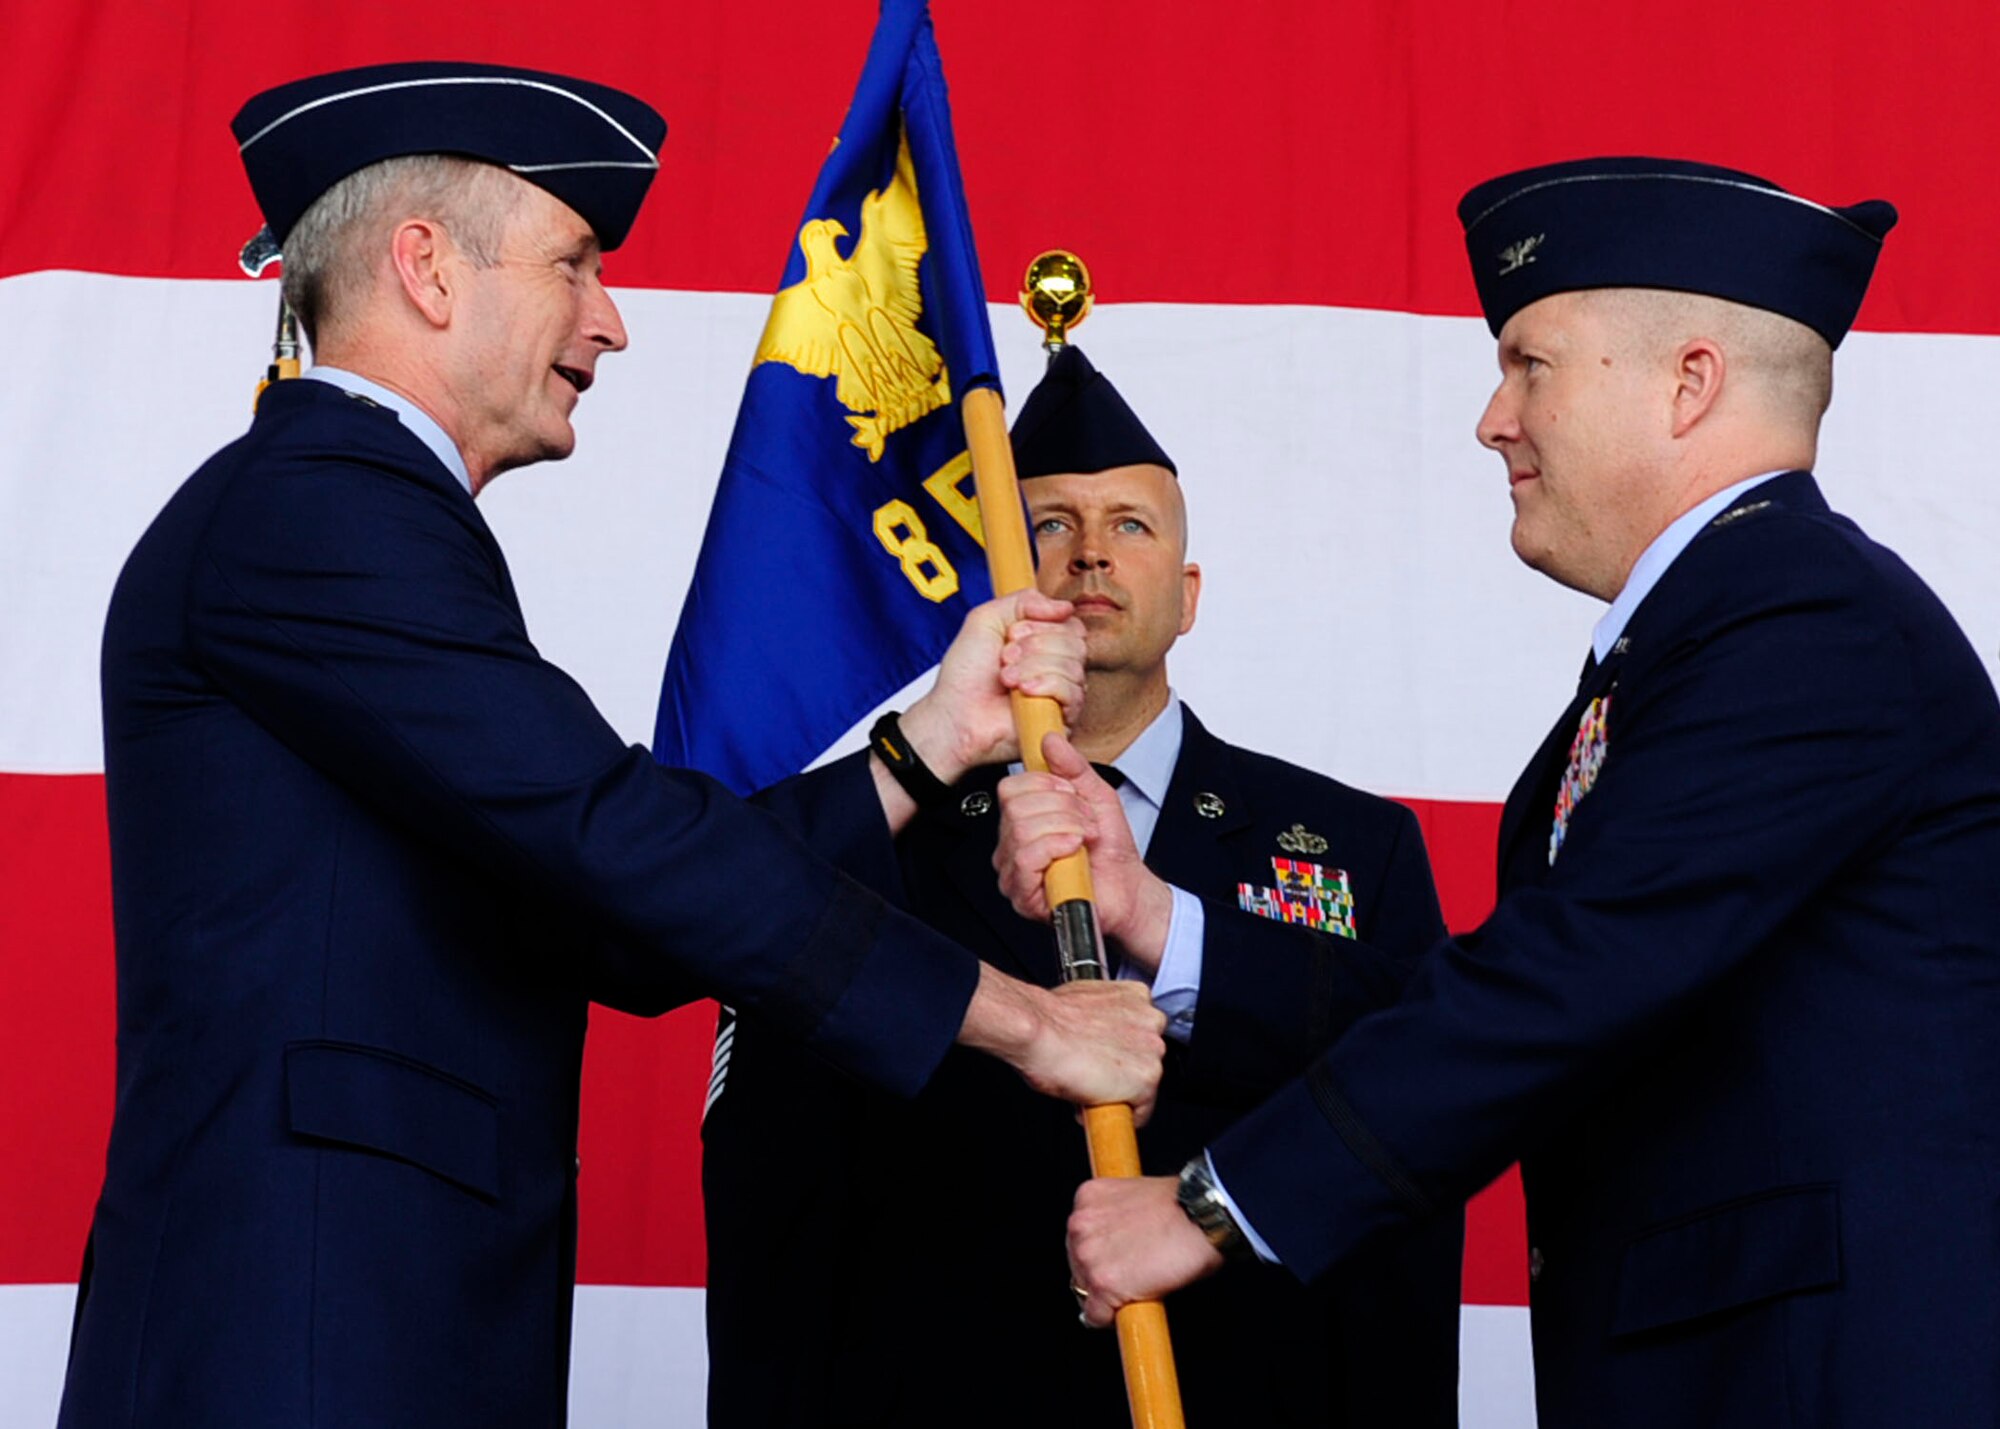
(854, 318)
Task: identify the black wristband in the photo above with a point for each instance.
(904, 764)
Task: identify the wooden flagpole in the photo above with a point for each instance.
(1151, 1385)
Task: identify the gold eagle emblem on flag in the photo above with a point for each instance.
(854, 318)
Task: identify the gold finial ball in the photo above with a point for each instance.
(1056, 294)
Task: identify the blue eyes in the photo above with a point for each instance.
(1055, 525)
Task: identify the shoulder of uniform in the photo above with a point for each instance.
(1767, 544)
(1735, 515)
(1277, 787)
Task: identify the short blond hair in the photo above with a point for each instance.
(1789, 364)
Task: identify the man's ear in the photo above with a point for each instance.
(1190, 594)
(1699, 371)
(422, 255)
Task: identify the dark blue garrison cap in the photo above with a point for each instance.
(1075, 421)
(1668, 223)
(594, 148)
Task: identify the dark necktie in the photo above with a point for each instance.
(1110, 774)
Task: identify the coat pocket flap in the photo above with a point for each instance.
(367, 1097)
(1757, 1248)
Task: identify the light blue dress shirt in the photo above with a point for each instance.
(1148, 766)
(422, 424)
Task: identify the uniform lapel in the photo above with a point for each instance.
(1185, 844)
(1183, 850)
(966, 832)
(1530, 809)
(377, 435)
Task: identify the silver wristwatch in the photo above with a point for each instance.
(1201, 1199)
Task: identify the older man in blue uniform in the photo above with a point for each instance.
(982, 1175)
(373, 856)
(1738, 1008)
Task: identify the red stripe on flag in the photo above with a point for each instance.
(639, 1149)
(640, 1188)
(1496, 1244)
(57, 1019)
(1463, 840)
(1288, 152)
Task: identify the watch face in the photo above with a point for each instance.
(1201, 1201)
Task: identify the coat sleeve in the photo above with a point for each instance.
(1276, 995)
(1759, 757)
(364, 623)
(837, 811)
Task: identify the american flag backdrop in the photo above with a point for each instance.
(1265, 194)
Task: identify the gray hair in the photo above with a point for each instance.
(331, 250)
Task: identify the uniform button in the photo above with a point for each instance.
(1534, 1262)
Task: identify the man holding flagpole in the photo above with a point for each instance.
(985, 1176)
(1736, 1009)
(848, 472)
(373, 857)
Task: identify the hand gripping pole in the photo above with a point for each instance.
(1151, 1385)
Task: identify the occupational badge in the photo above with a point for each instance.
(1307, 893)
(1297, 839)
(1586, 757)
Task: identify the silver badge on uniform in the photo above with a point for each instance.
(1296, 839)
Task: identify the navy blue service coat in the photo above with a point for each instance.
(1743, 1032)
(919, 1248)
(371, 858)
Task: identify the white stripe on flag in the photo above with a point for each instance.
(1363, 613)
(34, 1346)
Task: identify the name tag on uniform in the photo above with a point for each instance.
(1307, 893)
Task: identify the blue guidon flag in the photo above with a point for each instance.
(844, 546)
